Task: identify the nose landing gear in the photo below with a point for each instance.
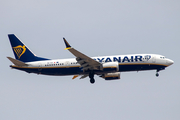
(159, 69)
(157, 74)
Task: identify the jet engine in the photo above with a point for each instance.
(111, 66)
(111, 76)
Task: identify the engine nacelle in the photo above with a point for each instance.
(111, 76)
(111, 66)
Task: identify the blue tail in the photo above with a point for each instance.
(21, 52)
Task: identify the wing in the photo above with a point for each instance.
(86, 62)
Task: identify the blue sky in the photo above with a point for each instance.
(95, 28)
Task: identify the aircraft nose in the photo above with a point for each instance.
(170, 62)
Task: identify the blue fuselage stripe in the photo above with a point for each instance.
(77, 70)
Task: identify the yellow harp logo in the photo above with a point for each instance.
(19, 50)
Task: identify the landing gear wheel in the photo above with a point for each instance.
(157, 74)
(91, 76)
(92, 81)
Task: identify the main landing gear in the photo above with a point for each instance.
(91, 76)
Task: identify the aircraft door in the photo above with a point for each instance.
(67, 63)
(39, 67)
(154, 59)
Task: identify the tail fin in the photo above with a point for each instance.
(21, 52)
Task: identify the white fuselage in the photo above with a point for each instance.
(132, 62)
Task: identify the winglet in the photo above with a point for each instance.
(75, 76)
(67, 44)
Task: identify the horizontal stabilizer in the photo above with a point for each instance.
(16, 62)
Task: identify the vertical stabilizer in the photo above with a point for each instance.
(21, 52)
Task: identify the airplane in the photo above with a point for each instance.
(106, 67)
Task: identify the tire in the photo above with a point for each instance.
(92, 81)
(157, 74)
